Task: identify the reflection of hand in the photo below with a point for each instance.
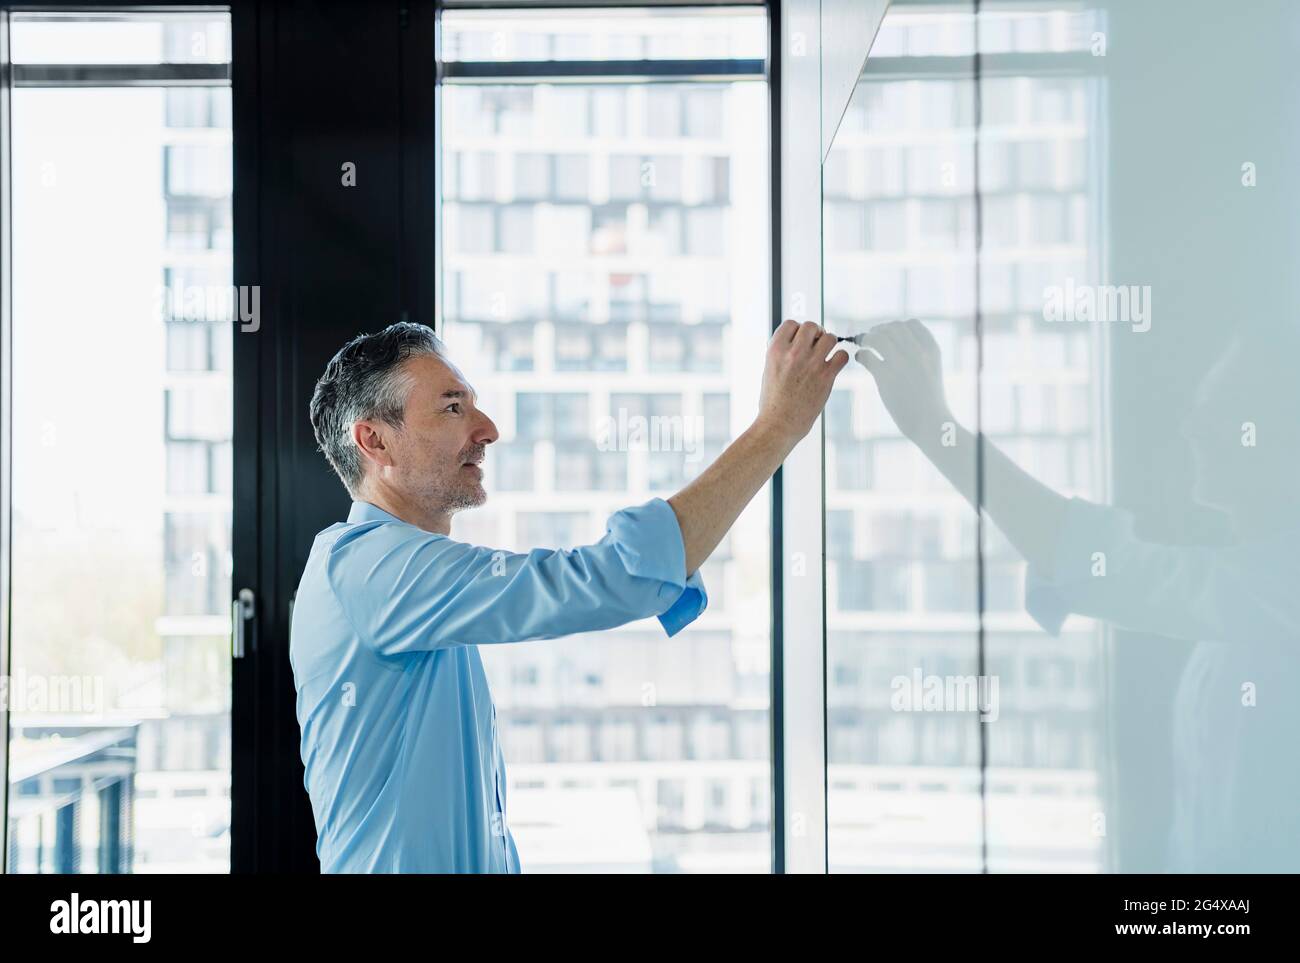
(797, 379)
(905, 360)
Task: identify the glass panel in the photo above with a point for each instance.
(612, 356)
(1042, 182)
(1112, 646)
(120, 697)
(1156, 300)
(902, 739)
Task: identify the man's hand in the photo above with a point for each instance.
(797, 378)
(904, 359)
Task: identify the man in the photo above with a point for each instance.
(399, 736)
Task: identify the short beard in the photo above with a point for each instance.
(461, 497)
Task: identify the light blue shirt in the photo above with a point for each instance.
(399, 737)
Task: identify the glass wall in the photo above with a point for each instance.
(1041, 183)
(899, 239)
(1093, 672)
(605, 288)
(119, 688)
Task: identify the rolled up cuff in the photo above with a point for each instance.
(649, 540)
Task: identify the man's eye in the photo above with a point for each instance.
(454, 407)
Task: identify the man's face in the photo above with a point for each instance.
(437, 453)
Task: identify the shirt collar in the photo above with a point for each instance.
(366, 512)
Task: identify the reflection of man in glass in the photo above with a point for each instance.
(1236, 793)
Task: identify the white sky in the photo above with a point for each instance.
(89, 223)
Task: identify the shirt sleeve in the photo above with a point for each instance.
(406, 590)
(1102, 569)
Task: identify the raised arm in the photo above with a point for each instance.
(797, 379)
(905, 361)
(405, 589)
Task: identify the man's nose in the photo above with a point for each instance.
(485, 432)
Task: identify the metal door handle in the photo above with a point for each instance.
(241, 614)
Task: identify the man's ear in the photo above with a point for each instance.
(374, 441)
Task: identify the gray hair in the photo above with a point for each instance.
(365, 381)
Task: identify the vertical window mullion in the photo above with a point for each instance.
(801, 789)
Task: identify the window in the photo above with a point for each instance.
(903, 561)
(649, 332)
(121, 487)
